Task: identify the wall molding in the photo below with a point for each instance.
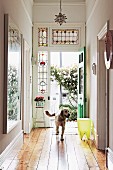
(92, 11)
(28, 16)
(16, 143)
(101, 105)
(31, 1)
(57, 4)
(103, 31)
(110, 158)
(66, 25)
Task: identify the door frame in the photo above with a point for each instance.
(26, 125)
(60, 64)
(102, 93)
(82, 96)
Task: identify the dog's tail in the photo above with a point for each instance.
(48, 114)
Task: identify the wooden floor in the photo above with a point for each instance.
(43, 150)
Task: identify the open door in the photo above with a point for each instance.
(82, 84)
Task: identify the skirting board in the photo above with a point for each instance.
(110, 158)
(15, 145)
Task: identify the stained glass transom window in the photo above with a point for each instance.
(42, 37)
(65, 36)
(42, 71)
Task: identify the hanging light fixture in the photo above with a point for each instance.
(60, 18)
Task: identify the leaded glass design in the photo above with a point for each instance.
(42, 71)
(65, 36)
(42, 37)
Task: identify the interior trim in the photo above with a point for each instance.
(16, 144)
(28, 16)
(110, 158)
(103, 31)
(57, 4)
(92, 11)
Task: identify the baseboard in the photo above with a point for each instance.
(15, 145)
(95, 137)
(110, 159)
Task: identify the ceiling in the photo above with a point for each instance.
(56, 1)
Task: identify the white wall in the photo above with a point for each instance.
(89, 4)
(75, 13)
(16, 10)
(111, 109)
(97, 15)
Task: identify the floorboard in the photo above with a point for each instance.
(43, 150)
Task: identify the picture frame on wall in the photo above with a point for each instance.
(12, 74)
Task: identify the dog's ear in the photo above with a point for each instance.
(62, 112)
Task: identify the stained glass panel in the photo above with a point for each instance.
(65, 36)
(42, 71)
(42, 37)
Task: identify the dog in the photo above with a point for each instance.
(60, 120)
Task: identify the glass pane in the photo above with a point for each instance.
(65, 36)
(14, 79)
(55, 59)
(14, 76)
(42, 37)
(69, 59)
(42, 71)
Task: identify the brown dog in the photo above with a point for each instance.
(60, 120)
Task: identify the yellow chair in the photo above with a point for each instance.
(84, 127)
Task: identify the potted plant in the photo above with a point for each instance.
(39, 101)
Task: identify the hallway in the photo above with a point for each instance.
(43, 150)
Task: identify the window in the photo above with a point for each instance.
(42, 37)
(42, 71)
(65, 36)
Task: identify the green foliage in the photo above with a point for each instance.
(67, 78)
(72, 111)
(73, 115)
(12, 93)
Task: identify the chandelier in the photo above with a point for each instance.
(60, 18)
